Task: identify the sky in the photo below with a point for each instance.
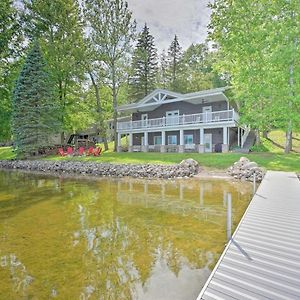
(165, 18)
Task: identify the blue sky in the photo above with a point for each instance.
(186, 18)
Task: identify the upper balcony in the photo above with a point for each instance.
(180, 121)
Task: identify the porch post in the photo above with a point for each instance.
(130, 142)
(239, 137)
(201, 145)
(181, 142)
(225, 146)
(119, 148)
(163, 142)
(145, 146)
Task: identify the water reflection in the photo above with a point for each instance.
(112, 238)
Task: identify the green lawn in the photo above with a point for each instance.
(271, 161)
(276, 141)
(6, 153)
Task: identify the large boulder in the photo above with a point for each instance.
(245, 169)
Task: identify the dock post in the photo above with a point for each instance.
(229, 217)
(254, 183)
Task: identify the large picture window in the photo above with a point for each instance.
(188, 139)
(157, 140)
(172, 140)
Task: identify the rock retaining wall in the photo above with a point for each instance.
(187, 168)
(245, 169)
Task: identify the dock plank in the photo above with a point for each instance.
(262, 260)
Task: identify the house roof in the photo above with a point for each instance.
(159, 97)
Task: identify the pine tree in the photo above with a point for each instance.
(174, 58)
(163, 70)
(35, 115)
(144, 66)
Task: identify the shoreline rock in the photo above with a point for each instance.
(244, 169)
(187, 168)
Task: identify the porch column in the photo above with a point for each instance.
(145, 147)
(239, 137)
(181, 142)
(130, 142)
(225, 146)
(163, 142)
(201, 145)
(119, 148)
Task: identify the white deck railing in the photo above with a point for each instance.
(201, 118)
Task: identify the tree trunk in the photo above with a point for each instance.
(265, 134)
(62, 138)
(257, 139)
(115, 106)
(101, 128)
(60, 91)
(289, 139)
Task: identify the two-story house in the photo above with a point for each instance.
(165, 121)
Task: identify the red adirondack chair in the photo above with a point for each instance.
(97, 151)
(69, 150)
(81, 151)
(90, 151)
(62, 152)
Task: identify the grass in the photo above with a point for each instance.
(6, 153)
(272, 159)
(276, 141)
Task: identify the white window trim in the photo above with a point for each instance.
(144, 121)
(175, 137)
(172, 111)
(208, 106)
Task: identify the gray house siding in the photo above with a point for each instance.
(232, 136)
(137, 139)
(183, 107)
(217, 135)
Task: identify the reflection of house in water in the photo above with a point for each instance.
(201, 199)
(18, 273)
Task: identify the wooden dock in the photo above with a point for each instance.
(262, 260)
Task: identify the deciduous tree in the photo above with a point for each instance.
(59, 26)
(112, 30)
(258, 47)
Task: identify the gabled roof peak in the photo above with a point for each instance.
(159, 95)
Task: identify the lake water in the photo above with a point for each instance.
(111, 238)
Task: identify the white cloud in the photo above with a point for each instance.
(186, 18)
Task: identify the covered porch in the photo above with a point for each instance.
(199, 140)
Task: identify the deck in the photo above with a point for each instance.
(212, 118)
(262, 260)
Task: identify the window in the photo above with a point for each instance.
(188, 139)
(157, 140)
(144, 120)
(172, 140)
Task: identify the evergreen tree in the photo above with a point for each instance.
(163, 71)
(174, 59)
(59, 26)
(144, 65)
(35, 115)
